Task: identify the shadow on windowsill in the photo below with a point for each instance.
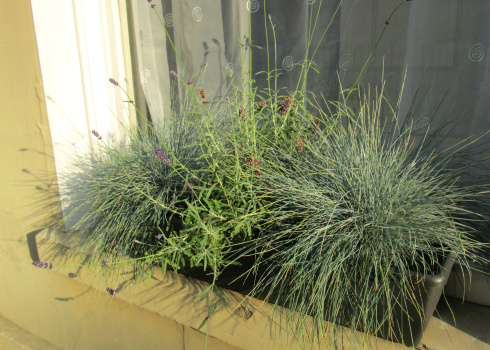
(470, 318)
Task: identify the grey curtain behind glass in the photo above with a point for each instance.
(293, 23)
(436, 50)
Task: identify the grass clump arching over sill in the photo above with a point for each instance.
(357, 219)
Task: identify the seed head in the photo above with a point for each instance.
(252, 161)
(315, 126)
(242, 114)
(202, 93)
(300, 145)
(283, 107)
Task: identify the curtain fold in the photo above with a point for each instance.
(152, 59)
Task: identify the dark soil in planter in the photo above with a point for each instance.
(233, 277)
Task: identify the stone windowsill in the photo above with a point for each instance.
(238, 321)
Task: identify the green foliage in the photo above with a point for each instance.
(338, 206)
(126, 195)
(353, 217)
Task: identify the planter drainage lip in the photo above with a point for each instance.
(441, 278)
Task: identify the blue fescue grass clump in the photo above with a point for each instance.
(358, 218)
(128, 195)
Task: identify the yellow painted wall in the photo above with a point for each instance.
(65, 312)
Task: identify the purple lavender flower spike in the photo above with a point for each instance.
(150, 0)
(104, 264)
(172, 72)
(111, 291)
(207, 317)
(189, 82)
(160, 155)
(113, 81)
(40, 264)
(159, 236)
(153, 6)
(96, 134)
(189, 185)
